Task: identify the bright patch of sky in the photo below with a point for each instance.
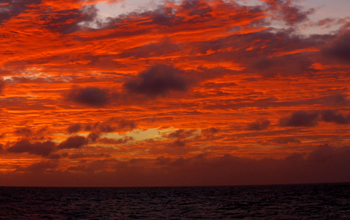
(127, 6)
(324, 9)
(334, 9)
(140, 135)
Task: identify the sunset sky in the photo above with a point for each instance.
(174, 93)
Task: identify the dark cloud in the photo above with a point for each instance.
(267, 53)
(90, 96)
(181, 137)
(153, 50)
(178, 143)
(197, 7)
(74, 128)
(339, 49)
(301, 119)
(69, 21)
(26, 132)
(310, 119)
(327, 22)
(273, 66)
(128, 125)
(337, 99)
(291, 14)
(162, 160)
(94, 166)
(93, 136)
(166, 16)
(286, 140)
(265, 60)
(73, 142)
(12, 8)
(157, 80)
(104, 127)
(2, 84)
(112, 125)
(88, 127)
(55, 156)
(82, 155)
(323, 164)
(258, 125)
(295, 14)
(333, 116)
(39, 167)
(188, 13)
(209, 132)
(115, 141)
(181, 134)
(323, 153)
(38, 148)
(29, 133)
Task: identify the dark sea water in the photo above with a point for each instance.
(318, 201)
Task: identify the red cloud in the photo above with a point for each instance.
(185, 82)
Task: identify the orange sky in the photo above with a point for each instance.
(196, 92)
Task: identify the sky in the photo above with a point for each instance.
(174, 93)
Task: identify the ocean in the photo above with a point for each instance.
(308, 201)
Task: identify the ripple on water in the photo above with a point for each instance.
(319, 201)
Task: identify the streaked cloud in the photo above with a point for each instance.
(208, 90)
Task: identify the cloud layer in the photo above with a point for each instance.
(196, 92)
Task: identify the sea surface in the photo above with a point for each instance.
(313, 201)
